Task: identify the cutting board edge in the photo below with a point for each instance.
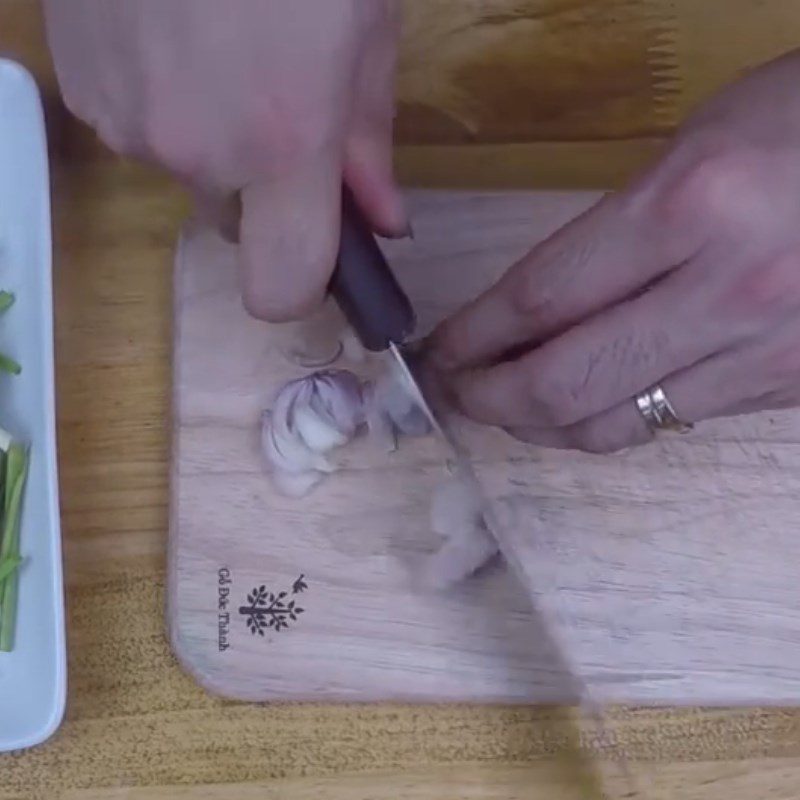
(173, 529)
(213, 681)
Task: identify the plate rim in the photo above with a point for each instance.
(42, 730)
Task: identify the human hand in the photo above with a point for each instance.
(278, 101)
(690, 278)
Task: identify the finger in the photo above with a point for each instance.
(289, 234)
(368, 161)
(598, 259)
(368, 173)
(600, 362)
(712, 388)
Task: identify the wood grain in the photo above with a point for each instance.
(669, 571)
(465, 67)
(542, 781)
(565, 93)
(136, 726)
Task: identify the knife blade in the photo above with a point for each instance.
(546, 608)
(381, 315)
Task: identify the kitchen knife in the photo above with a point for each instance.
(382, 317)
(546, 607)
(372, 300)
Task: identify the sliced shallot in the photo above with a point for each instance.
(311, 417)
(457, 515)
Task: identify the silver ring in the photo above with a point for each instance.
(658, 413)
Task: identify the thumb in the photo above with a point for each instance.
(288, 237)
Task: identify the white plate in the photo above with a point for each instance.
(33, 676)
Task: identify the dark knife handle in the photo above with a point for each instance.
(365, 287)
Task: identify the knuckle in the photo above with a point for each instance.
(765, 290)
(530, 297)
(282, 136)
(550, 400)
(723, 188)
(537, 285)
(166, 142)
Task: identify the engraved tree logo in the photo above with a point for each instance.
(267, 610)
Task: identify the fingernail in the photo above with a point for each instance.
(406, 232)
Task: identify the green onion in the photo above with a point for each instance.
(16, 471)
(13, 474)
(8, 566)
(9, 365)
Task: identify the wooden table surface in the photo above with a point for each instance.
(136, 726)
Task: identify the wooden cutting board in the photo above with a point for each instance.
(673, 568)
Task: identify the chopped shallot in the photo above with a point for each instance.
(314, 415)
(311, 416)
(457, 515)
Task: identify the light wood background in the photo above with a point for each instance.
(137, 727)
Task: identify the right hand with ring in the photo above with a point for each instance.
(280, 100)
(685, 286)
